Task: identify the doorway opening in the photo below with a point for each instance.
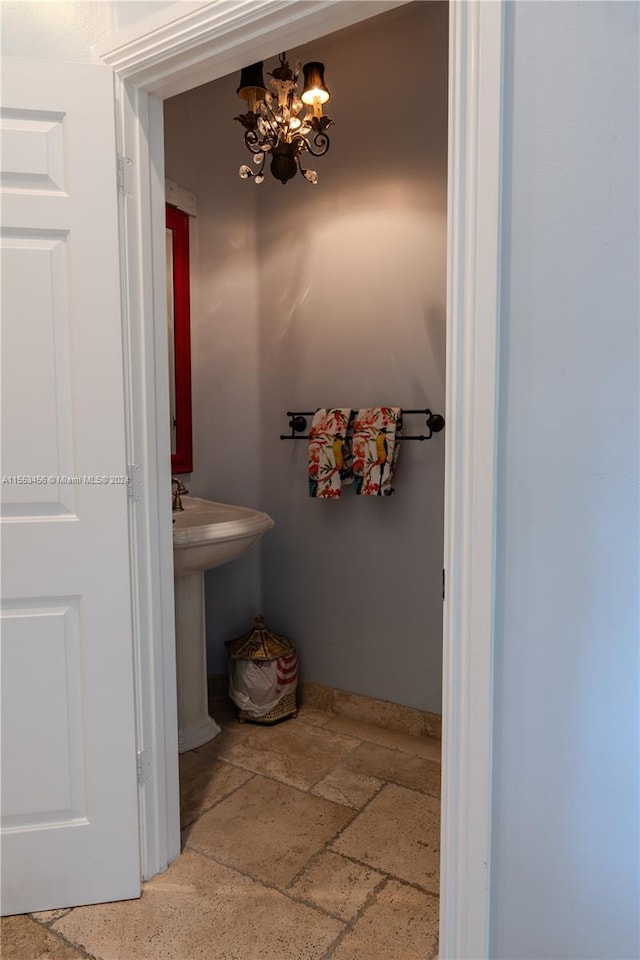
(312, 296)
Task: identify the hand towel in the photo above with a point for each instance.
(329, 455)
(376, 443)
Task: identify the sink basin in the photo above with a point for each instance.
(207, 534)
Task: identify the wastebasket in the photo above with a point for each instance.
(263, 675)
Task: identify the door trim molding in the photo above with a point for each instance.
(473, 316)
(217, 39)
(139, 133)
(222, 37)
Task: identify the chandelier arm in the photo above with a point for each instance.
(270, 132)
(273, 134)
(260, 171)
(299, 144)
(308, 174)
(271, 137)
(319, 145)
(252, 141)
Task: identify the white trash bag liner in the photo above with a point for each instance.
(257, 686)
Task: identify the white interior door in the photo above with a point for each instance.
(69, 789)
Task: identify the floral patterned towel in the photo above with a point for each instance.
(329, 453)
(376, 443)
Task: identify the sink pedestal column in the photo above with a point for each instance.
(195, 726)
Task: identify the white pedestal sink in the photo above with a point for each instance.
(206, 534)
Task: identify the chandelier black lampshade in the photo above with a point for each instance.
(251, 79)
(314, 83)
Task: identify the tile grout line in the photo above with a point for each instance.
(316, 856)
(285, 783)
(357, 743)
(383, 784)
(308, 790)
(61, 937)
(264, 883)
(328, 849)
(387, 780)
(189, 823)
(334, 767)
(378, 743)
(360, 738)
(316, 793)
(195, 820)
(47, 923)
(390, 876)
(388, 746)
(331, 849)
(308, 726)
(369, 902)
(338, 766)
(319, 725)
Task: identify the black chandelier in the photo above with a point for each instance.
(273, 125)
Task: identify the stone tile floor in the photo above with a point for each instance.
(314, 839)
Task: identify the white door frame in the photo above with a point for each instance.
(176, 54)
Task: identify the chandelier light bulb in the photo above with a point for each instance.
(314, 92)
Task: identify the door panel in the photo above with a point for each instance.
(69, 789)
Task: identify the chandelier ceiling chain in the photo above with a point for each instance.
(273, 125)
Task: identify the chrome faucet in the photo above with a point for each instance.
(178, 490)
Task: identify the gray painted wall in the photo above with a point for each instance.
(566, 806)
(349, 311)
(352, 313)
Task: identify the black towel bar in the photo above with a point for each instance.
(298, 423)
